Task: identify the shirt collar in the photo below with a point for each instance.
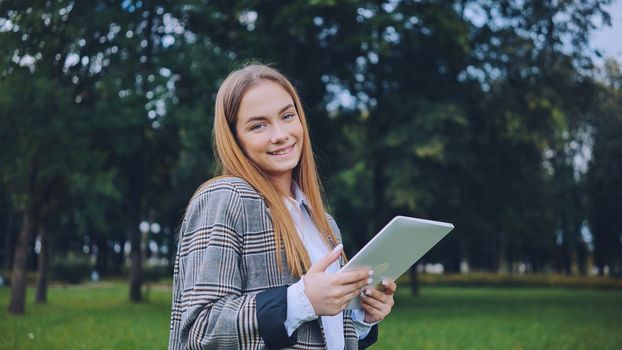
(299, 196)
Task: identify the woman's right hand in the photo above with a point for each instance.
(330, 293)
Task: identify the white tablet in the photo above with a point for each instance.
(400, 244)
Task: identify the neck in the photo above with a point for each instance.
(283, 183)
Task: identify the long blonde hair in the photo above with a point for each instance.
(233, 162)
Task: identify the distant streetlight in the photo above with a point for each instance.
(155, 228)
(143, 227)
(146, 228)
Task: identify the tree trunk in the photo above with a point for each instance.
(17, 304)
(566, 259)
(101, 262)
(582, 254)
(42, 283)
(502, 256)
(414, 281)
(8, 240)
(172, 249)
(118, 259)
(136, 269)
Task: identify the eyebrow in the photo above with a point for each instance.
(260, 117)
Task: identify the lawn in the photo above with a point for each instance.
(489, 318)
(99, 317)
(88, 317)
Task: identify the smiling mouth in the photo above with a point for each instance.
(283, 152)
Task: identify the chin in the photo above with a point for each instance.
(283, 167)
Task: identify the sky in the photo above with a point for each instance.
(609, 40)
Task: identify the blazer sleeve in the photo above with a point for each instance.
(210, 309)
(370, 339)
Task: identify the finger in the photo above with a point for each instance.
(352, 277)
(389, 286)
(347, 298)
(356, 287)
(370, 309)
(350, 291)
(378, 310)
(322, 264)
(362, 284)
(354, 290)
(372, 314)
(376, 294)
(351, 294)
(373, 302)
(375, 297)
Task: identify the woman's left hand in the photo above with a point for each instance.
(378, 303)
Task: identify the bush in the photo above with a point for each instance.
(156, 273)
(6, 278)
(505, 280)
(70, 269)
(151, 273)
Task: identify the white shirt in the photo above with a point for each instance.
(299, 309)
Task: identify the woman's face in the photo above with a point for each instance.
(269, 129)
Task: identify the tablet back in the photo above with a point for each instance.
(400, 244)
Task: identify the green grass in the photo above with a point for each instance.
(487, 318)
(89, 317)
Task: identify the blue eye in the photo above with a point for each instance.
(288, 116)
(256, 126)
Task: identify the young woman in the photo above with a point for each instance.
(258, 258)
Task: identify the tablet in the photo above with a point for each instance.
(400, 244)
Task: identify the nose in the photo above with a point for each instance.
(279, 134)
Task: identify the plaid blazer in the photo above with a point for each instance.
(228, 292)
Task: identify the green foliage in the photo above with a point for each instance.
(415, 108)
(605, 172)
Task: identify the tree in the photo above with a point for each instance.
(605, 173)
(35, 118)
(64, 50)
